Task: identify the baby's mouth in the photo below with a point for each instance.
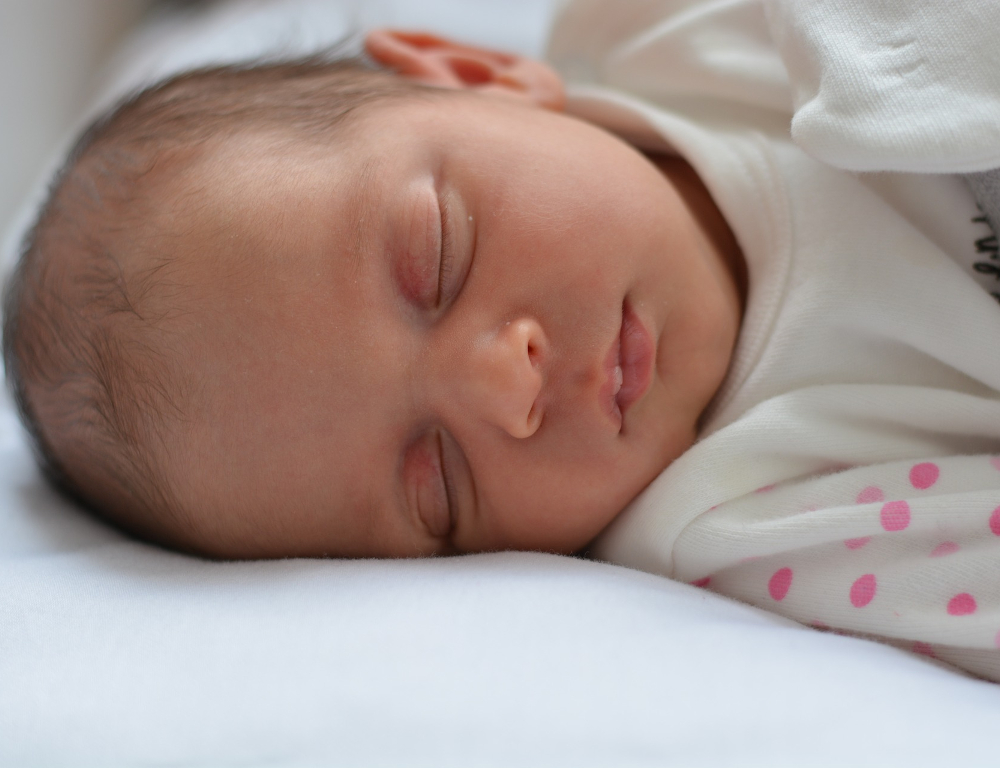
(629, 366)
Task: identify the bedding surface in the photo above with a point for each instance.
(114, 653)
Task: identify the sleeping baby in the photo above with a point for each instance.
(431, 303)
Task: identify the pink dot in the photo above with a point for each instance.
(766, 488)
(823, 625)
(779, 583)
(995, 521)
(945, 548)
(863, 590)
(924, 649)
(857, 543)
(995, 461)
(870, 494)
(962, 605)
(895, 515)
(702, 582)
(924, 475)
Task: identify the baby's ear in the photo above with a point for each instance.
(436, 61)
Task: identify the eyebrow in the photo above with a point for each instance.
(364, 211)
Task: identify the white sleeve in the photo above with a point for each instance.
(894, 86)
(907, 552)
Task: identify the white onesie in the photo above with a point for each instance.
(848, 472)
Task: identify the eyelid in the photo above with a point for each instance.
(459, 238)
(462, 491)
(449, 485)
(447, 255)
(424, 486)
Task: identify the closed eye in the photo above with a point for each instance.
(449, 486)
(418, 257)
(447, 255)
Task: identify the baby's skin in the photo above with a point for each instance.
(477, 323)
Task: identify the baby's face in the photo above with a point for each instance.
(472, 325)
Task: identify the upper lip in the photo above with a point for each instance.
(630, 358)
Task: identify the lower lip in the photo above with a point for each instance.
(633, 350)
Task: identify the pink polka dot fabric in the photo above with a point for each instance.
(895, 515)
(962, 605)
(924, 475)
(870, 494)
(908, 551)
(857, 543)
(780, 583)
(863, 590)
(945, 548)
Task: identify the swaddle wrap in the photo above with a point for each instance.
(846, 475)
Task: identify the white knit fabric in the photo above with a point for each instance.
(846, 476)
(891, 85)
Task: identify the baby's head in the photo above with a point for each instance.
(318, 309)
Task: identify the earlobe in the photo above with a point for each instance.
(437, 61)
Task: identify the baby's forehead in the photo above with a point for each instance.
(254, 168)
(265, 268)
(262, 199)
(258, 214)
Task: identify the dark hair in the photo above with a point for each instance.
(85, 339)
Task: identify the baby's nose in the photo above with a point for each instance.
(505, 376)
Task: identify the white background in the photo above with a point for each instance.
(50, 52)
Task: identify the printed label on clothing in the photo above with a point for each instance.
(986, 257)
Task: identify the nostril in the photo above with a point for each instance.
(534, 419)
(537, 348)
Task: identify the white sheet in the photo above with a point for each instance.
(113, 653)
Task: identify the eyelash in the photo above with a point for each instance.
(446, 256)
(449, 487)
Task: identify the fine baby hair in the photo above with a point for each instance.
(88, 312)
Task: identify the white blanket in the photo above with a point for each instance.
(113, 653)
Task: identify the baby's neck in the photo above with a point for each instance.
(718, 236)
